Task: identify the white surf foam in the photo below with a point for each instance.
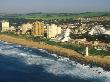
(61, 66)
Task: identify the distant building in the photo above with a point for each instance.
(26, 27)
(12, 29)
(66, 36)
(107, 32)
(98, 29)
(5, 26)
(38, 28)
(53, 30)
(79, 41)
(101, 46)
(18, 30)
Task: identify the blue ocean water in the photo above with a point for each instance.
(22, 64)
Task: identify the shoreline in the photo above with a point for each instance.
(73, 55)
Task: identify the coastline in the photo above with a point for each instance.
(91, 60)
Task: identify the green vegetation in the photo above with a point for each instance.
(59, 16)
(99, 52)
(78, 48)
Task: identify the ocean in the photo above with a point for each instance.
(22, 64)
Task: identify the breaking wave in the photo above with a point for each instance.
(52, 63)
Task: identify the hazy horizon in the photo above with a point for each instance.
(54, 6)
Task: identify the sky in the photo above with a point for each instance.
(54, 6)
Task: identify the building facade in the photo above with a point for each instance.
(66, 35)
(12, 29)
(5, 26)
(38, 29)
(53, 30)
(26, 27)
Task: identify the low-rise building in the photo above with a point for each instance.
(101, 46)
(12, 29)
(26, 27)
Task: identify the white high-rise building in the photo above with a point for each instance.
(53, 30)
(5, 26)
